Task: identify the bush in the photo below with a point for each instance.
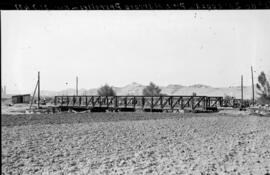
(152, 90)
(106, 90)
(228, 97)
(263, 89)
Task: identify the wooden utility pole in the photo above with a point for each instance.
(1, 41)
(38, 89)
(241, 91)
(253, 100)
(33, 95)
(76, 85)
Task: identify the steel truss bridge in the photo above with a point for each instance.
(143, 103)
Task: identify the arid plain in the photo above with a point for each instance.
(135, 143)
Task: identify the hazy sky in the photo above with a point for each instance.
(121, 47)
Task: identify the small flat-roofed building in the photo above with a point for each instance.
(24, 98)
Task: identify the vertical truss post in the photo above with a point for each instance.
(182, 103)
(171, 103)
(192, 103)
(92, 101)
(62, 101)
(55, 101)
(115, 103)
(161, 102)
(152, 103)
(99, 101)
(125, 102)
(67, 100)
(75, 100)
(134, 102)
(205, 102)
(143, 103)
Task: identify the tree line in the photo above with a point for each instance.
(263, 90)
(150, 90)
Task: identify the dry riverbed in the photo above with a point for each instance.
(132, 143)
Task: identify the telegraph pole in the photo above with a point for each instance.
(76, 85)
(241, 91)
(1, 35)
(38, 89)
(252, 86)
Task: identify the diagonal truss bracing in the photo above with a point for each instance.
(141, 102)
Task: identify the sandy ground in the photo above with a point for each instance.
(132, 143)
(16, 109)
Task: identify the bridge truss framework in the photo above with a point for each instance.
(144, 103)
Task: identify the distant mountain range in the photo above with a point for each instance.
(172, 89)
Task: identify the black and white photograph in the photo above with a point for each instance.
(135, 92)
